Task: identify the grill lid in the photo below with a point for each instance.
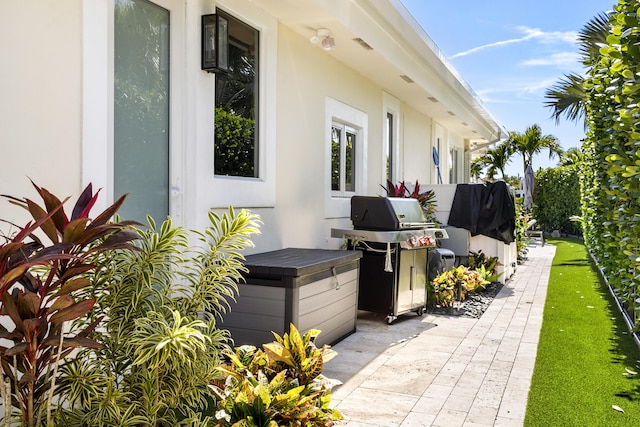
(386, 213)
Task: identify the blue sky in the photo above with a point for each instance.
(510, 52)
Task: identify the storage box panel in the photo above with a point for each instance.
(333, 329)
(325, 292)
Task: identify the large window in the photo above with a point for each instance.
(346, 157)
(344, 141)
(236, 104)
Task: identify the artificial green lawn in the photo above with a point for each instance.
(583, 351)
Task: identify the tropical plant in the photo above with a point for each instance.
(478, 260)
(426, 199)
(495, 160)
(573, 157)
(281, 385)
(455, 284)
(568, 97)
(43, 289)
(531, 142)
(159, 341)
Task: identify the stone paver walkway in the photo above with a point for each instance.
(445, 370)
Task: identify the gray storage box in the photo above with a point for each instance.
(311, 288)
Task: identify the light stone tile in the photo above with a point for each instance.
(491, 400)
(372, 406)
(481, 414)
(438, 391)
(471, 379)
(429, 405)
(405, 379)
(449, 418)
(459, 402)
(507, 422)
(415, 419)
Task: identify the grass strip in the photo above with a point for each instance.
(586, 358)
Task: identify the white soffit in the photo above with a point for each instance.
(403, 60)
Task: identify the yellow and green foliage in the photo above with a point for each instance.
(455, 284)
(280, 385)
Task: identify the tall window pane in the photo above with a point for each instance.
(344, 156)
(350, 162)
(336, 134)
(236, 136)
(389, 148)
(141, 109)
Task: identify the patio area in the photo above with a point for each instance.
(446, 371)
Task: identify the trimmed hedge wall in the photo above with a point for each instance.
(610, 176)
(557, 198)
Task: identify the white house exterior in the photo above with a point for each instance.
(385, 81)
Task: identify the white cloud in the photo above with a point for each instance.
(561, 59)
(515, 91)
(528, 34)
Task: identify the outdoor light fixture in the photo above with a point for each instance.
(324, 39)
(215, 43)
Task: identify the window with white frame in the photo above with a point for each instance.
(344, 146)
(346, 156)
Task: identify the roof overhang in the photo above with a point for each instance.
(383, 42)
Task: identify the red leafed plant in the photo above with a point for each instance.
(426, 199)
(41, 290)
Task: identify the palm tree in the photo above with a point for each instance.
(496, 160)
(572, 157)
(531, 142)
(567, 97)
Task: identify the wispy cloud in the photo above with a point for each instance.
(516, 91)
(527, 34)
(561, 59)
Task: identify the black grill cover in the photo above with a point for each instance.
(488, 209)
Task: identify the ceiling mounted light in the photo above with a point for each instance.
(324, 39)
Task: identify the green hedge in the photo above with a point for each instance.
(610, 175)
(235, 146)
(557, 199)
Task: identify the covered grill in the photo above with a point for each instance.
(394, 239)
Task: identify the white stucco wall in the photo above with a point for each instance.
(42, 114)
(306, 76)
(40, 106)
(417, 141)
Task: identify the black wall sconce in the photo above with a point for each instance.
(215, 43)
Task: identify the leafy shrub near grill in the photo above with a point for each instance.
(487, 266)
(454, 285)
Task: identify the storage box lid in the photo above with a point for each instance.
(298, 262)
